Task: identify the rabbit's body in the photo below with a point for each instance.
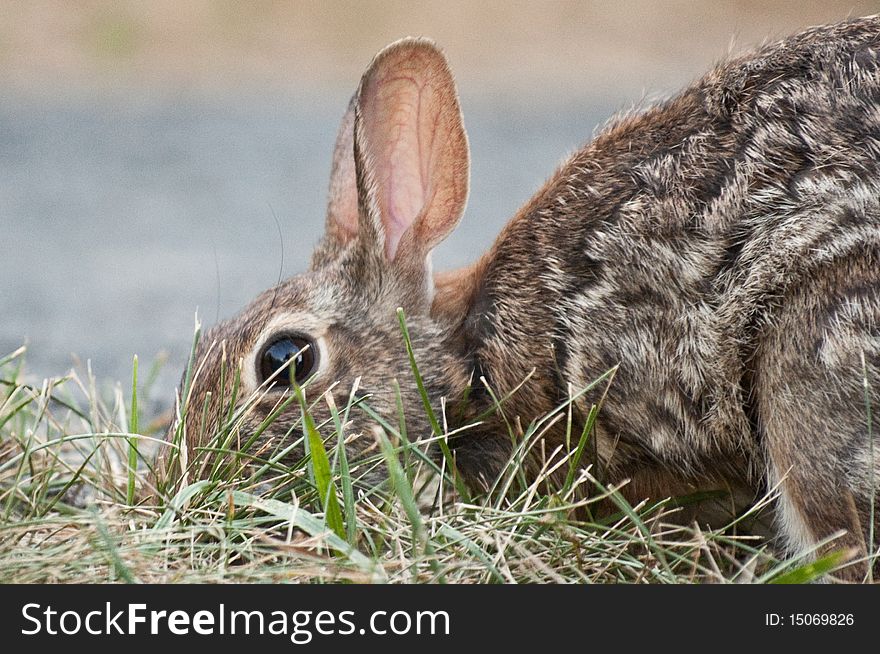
(721, 249)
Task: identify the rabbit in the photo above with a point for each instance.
(720, 250)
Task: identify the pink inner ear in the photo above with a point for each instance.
(401, 129)
(414, 147)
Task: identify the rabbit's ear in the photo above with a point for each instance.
(411, 150)
(342, 207)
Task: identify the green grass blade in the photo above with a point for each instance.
(574, 462)
(404, 492)
(133, 430)
(429, 410)
(319, 464)
(179, 501)
(310, 524)
(109, 546)
(348, 499)
(812, 571)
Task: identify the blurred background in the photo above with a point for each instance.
(154, 156)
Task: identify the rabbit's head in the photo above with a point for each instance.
(399, 185)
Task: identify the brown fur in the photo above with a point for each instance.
(721, 248)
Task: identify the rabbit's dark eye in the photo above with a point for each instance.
(297, 354)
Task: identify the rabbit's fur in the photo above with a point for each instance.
(722, 248)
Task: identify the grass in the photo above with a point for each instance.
(74, 463)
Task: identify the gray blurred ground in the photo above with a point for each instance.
(126, 218)
(147, 149)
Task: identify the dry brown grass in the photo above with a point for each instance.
(67, 515)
